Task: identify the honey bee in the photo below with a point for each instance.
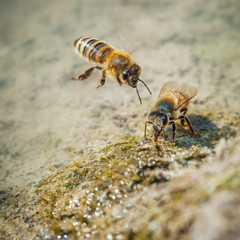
(171, 105)
(118, 65)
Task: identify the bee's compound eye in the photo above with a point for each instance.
(126, 74)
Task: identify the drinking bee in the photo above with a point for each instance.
(171, 105)
(118, 65)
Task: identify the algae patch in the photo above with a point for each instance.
(77, 200)
(130, 189)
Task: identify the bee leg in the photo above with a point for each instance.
(86, 74)
(146, 127)
(184, 118)
(163, 134)
(102, 79)
(173, 131)
(119, 81)
(184, 111)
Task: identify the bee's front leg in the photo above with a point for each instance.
(173, 131)
(147, 122)
(119, 81)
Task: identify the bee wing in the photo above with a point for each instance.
(169, 86)
(183, 93)
(186, 93)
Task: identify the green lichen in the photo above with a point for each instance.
(11, 202)
(4, 215)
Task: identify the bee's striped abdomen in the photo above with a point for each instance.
(95, 50)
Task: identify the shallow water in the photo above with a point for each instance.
(44, 115)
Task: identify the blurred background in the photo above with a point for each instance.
(44, 115)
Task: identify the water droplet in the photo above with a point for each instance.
(97, 214)
(125, 211)
(119, 196)
(109, 236)
(129, 206)
(86, 230)
(119, 236)
(89, 209)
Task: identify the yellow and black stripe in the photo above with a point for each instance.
(95, 50)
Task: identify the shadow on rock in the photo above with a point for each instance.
(200, 122)
(207, 132)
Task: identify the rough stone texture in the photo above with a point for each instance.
(47, 121)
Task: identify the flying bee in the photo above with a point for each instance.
(171, 105)
(118, 65)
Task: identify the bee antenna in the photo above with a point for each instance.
(145, 85)
(139, 96)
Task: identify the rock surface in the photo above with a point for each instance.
(74, 163)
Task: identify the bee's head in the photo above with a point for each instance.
(131, 77)
(159, 121)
